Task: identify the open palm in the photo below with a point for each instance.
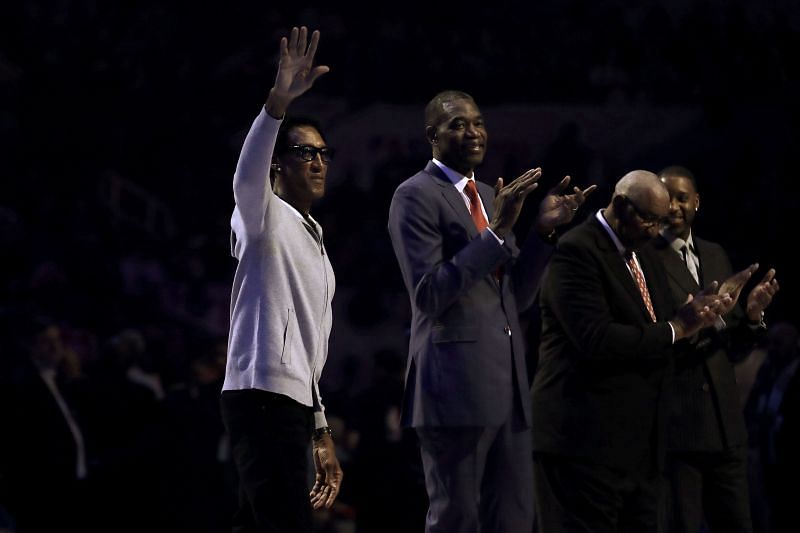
(296, 70)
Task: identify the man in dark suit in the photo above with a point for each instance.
(706, 436)
(44, 460)
(608, 328)
(466, 390)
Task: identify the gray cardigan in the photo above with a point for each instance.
(283, 286)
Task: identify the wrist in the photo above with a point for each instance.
(277, 103)
(756, 318)
(319, 434)
(500, 234)
(544, 230)
(549, 237)
(678, 329)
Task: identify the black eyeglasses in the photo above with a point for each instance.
(648, 219)
(309, 153)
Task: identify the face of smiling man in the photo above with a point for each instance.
(683, 204)
(459, 137)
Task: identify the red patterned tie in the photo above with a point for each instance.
(476, 213)
(639, 278)
(475, 206)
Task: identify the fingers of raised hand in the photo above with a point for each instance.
(774, 287)
(312, 47)
(572, 201)
(284, 47)
(578, 197)
(302, 41)
(498, 186)
(523, 185)
(768, 289)
(561, 185)
(298, 45)
(528, 177)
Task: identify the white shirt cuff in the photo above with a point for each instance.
(501, 241)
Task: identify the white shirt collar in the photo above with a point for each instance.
(459, 180)
(620, 247)
(676, 243)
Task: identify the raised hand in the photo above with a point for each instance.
(508, 200)
(733, 286)
(296, 70)
(761, 295)
(557, 209)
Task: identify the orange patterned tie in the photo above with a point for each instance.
(639, 278)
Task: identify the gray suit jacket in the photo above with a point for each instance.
(466, 353)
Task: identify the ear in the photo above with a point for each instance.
(696, 202)
(619, 204)
(430, 133)
(275, 167)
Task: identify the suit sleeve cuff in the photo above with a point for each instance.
(499, 240)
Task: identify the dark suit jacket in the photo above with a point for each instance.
(602, 361)
(462, 366)
(39, 454)
(39, 440)
(704, 413)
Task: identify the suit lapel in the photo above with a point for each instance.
(456, 202)
(616, 263)
(675, 267)
(487, 197)
(677, 270)
(453, 198)
(710, 268)
(654, 277)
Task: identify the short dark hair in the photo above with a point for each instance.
(434, 108)
(677, 171)
(282, 143)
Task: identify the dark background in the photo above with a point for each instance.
(121, 123)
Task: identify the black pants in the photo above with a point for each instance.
(270, 434)
(713, 484)
(578, 496)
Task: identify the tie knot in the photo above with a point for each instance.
(471, 189)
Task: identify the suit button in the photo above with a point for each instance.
(705, 387)
(507, 330)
